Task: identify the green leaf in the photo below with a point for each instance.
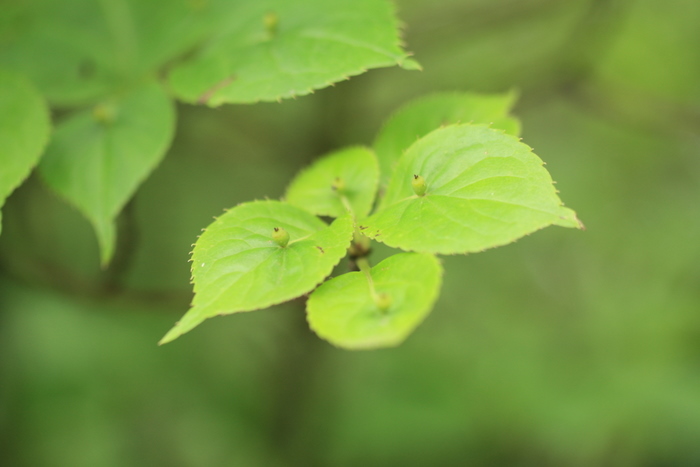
(484, 189)
(421, 116)
(24, 130)
(64, 47)
(98, 158)
(89, 48)
(275, 49)
(351, 173)
(180, 25)
(237, 265)
(348, 313)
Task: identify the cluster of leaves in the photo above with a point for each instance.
(111, 70)
(113, 67)
(439, 186)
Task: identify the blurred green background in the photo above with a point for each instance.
(565, 349)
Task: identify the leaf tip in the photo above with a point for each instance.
(106, 255)
(410, 64)
(170, 335)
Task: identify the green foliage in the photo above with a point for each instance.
(24, 131)
(79, 51)
(562, 349)
(274, 49)
(459, 189)
(421, 116)
(98, 157)
(241, 263)
(342, 181)
(378, 307)
(94, 58)
(482, 188)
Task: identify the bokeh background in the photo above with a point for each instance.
(567, 348)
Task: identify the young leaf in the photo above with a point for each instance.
(24, 131)
(330, 184)
(98, 158)
(241, 263)
(483, 189)
(423, 115)
(275, 49)
(351, 312)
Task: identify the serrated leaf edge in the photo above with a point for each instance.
(268, 304)
(380, 206)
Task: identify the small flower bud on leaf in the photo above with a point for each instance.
(383, 301)
(419, 185)
(280, 236)
(104, 113)
(338, 184)
(271, 21)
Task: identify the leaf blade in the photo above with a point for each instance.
(352, 173)
(91, 49)
(423, 115)
(98, 158)
(344, 312)
(313, 44)
(237, 266)
(485, 189)
(25, 126)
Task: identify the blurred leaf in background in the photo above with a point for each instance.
(24, 131)
(566, 348)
